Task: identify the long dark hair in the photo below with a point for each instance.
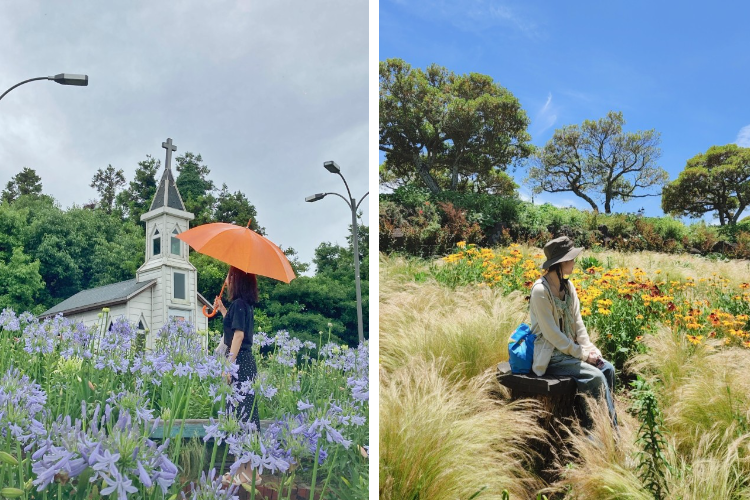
(242, 285)
(557, 268)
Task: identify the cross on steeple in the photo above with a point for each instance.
(167, 194)
(169, 147)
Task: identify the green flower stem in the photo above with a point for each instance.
(330, 471)
(20, 469)
(315, 470)
(291, 485)
(184, 416)
(224, 460)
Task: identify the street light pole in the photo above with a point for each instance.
(332, 167)
(62, 79)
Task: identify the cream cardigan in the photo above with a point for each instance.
(545, 324)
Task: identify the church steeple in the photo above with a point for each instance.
(167, 194)
(165, 219)
(166, 258)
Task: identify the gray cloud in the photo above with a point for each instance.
(264, 91)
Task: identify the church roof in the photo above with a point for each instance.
(167, 194)
(103, 296)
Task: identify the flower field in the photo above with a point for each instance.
(80, 407)
(620, 304)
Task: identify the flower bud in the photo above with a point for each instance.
(7, 458)
(11, 492)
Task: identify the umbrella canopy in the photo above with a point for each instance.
(240, 247)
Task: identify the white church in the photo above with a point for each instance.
(164, 287)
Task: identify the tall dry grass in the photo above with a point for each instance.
(441, 440)
(467, 328)
(437, 345)
(599, 464)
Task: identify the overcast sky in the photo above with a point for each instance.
(264, 91)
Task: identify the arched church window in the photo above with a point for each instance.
(157, 242)
(175, 243)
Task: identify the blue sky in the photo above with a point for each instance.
(682, 69)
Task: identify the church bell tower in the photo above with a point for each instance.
(166, 260)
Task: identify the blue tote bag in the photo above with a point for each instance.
(521, 350)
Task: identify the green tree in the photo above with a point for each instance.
(20, 283)
(77, 249)
(195, 187)
(235, 208)
(26, 182)
(457, 132)
(715, 181)
(136, 199)
(598, 160)
(106, 182)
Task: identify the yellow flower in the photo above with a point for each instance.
(640, 316)
(461, 244)
(605, 312)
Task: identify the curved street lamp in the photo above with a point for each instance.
(62, 79)
(353, 205)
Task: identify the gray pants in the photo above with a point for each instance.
(589, 379)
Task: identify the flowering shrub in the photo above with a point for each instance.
(79, 407)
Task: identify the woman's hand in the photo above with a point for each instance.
(592, 359)
(218, 304)
(228, 377)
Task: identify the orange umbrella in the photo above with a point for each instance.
(240, 247)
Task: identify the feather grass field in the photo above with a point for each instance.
(444, 433)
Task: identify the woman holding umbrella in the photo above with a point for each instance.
(238, 336)
(248, 254)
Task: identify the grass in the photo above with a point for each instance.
(443, 436)
(466, 328)
(440, 440)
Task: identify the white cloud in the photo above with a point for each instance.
(743, 137)
(545, 117)
(473, 15)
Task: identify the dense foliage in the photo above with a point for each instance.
(416, 222)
